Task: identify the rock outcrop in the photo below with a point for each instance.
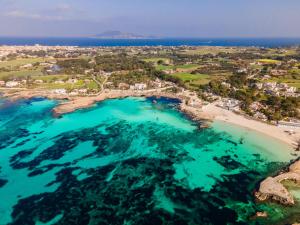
(272, 187)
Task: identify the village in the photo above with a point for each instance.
(248, 81)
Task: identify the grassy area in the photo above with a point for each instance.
(209, 50)
(21, 62)
(21, 73)
(289, 81)
(162, 67)
(155, 60)
(51, 78)
(92, 85)
(268, 61)
(183, 67)
(294, 72)
(80, 84)
(188, 66)
(193, 79)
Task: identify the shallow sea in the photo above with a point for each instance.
(131, 161)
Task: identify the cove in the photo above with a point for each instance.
(131, 161)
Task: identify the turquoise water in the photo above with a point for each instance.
(130, 161)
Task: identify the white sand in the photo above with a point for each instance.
(267, 129)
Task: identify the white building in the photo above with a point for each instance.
(11, 84)
(230, 104)
(291, 89)
(82, 91)
(59, 82)
(270, 85)
(59, 91)
(140, 86)
(226, 84)
(29, 65)
(38, 81)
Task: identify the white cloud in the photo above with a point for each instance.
(29, 15)
(63, 7)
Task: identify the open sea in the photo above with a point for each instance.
(131, 162)
(91, 42)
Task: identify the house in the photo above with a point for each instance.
(260, 116)
(2, 83)
(241, 71)
(291, 89)
(259, 85)
(282, 86)
(45, 64)
(26, 66)
(82, 91)
(38, 81)
(73, 93)
(59, 91)
(59, 82)
(11, 84)
(230, 104)
(54, 69)
(277, 72)
(270, 85)
(226, 84)
(194, 102)
(255, 106)
(89, 71)
(140, 86)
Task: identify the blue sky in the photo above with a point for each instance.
(167, 18)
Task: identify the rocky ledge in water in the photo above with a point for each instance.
(272, 187)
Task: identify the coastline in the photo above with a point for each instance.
(269, 130)
(270, 188)
(209, 112)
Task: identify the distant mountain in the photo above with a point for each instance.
(121, 35)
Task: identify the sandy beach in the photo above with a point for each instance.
(267, 129)
(207, 112)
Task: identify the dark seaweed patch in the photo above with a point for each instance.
(3, 182)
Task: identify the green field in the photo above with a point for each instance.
(268, 61)
(78, 85)
(20, 74)
(162, 67)
(184, 67)
(155, 60)
(193, 79)
(209, 50)
(20, 62)
(51, 78)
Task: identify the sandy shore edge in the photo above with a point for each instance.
(209, 112)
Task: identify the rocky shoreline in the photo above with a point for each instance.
(272, 188)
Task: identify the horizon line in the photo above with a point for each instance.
(154, 38)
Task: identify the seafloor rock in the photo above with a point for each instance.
(272, 187)
(261, 214)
